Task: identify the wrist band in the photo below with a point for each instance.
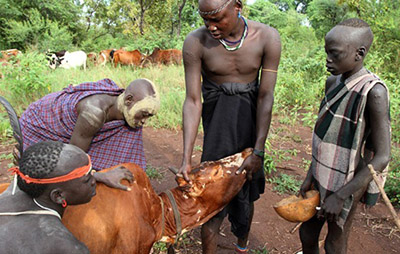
(259, 153)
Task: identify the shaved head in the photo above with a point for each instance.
(141, 88)
(139, 101)
(357, 32)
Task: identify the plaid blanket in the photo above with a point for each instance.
(338, 137)
(54, 116)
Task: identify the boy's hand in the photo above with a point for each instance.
(251, 164)
(332, 207)
(306, 185)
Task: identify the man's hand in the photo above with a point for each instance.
(332, 207)
(251, 164)
(114, 177)
(184, 172)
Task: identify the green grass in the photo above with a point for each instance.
(154, 173)
(285, 184)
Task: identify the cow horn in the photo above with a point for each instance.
(173, 170)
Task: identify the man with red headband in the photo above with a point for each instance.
(51, 176)
(229, 54)
(99, 117)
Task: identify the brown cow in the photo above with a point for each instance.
(163, 56)
(132, 58)
(6, 54)
(105, 56)
(92, 56)
(118, 221)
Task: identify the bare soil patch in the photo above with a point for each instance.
(372, 232)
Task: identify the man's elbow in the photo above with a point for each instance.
(381, 162)
(267, 101)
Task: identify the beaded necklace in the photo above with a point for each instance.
(244, 35)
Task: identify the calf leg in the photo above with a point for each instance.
(171, 249)
(209, 233)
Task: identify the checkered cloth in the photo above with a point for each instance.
(338, 137)
(54, 116)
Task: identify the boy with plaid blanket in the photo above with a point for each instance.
(352, 131)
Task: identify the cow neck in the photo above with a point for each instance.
(193, 212)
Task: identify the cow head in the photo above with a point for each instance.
(54, 61)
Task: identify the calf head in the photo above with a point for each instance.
(216, 178)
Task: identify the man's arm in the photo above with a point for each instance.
(265, 100)
(377, 109)
(90, 121)
(192, 106)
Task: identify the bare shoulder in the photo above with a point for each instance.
(65, 242)
(71, 247)
(266, 33)
(195, 41)
(94, 108)
(378, 91)
(378, 98)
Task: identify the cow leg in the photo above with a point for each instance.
(171, 249)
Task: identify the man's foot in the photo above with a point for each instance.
(241, 250)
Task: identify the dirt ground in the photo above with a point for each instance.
(373, 230)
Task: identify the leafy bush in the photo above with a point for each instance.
(25, 79)
(392, 185)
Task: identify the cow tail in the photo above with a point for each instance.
(17, 133)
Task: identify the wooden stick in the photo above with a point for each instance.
(295, 227)
(384, 196)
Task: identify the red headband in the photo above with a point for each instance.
(74, 174)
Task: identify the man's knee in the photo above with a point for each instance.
(309, 235)
(212, 226)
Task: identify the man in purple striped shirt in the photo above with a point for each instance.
(99, 117)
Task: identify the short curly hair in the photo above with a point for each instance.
(39, 161)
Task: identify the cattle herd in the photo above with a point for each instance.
(116, 57)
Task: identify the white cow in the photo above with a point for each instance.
(69, 60)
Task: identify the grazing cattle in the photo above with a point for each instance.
(92, 57)
(118, 221)
(60, 53)
(105, 56)
(163, 56)
(6, 54)
(132, 58)
(70, 60)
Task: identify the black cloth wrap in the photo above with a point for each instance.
(229, 123)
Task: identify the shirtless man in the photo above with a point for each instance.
(30, 216)
(227, 54)
(352, 133)
(99, 117)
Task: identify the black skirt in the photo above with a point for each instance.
(229, 123)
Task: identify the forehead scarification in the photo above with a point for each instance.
(219, 9)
